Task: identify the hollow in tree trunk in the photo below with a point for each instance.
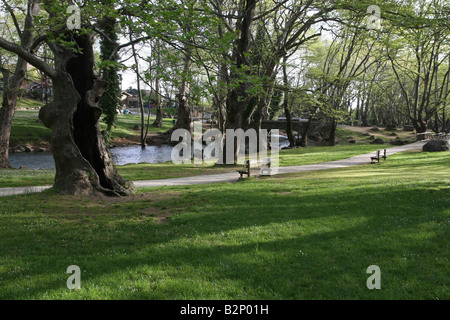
(83, 163)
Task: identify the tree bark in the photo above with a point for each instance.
(159, 113)
(6, 117)
(83, 163)
(12, 85)
(287, 107)
(184, 117)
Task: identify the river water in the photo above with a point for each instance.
(121, 156)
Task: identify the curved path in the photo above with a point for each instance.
(232, 176)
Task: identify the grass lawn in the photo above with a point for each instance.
(303, 236)
(125, 123)
(26, 103)
(27, 130)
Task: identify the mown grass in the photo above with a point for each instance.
(27, 130)
(26, 103)
(124, 126)
(309, 235)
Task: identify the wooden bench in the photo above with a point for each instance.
(263, 164)
(377, 157)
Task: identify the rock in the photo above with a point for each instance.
(367, 134)
(137, 127)
(28, 149)
(371, 137)
(377, 141)
(393, 134)
(391, 127)
(19, 149)
(375, 128)
(352, 141)
(436, 146)
(23, 168)
(398, 142)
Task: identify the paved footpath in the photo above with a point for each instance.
(233, 176)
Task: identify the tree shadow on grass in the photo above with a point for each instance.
(288, 244)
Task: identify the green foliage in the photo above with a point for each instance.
(110, 66)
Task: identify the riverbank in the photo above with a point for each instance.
(168, 170)
(29, 135)
(228, 173)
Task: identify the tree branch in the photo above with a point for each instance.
(28, 57)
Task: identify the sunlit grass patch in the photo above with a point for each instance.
(309, 235)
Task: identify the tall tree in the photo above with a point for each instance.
(26, 35)
(110, 100)
(83, 163)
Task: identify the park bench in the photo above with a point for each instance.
(263, 164)
(377, 157)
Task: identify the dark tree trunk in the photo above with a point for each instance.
(332, 137)
(238, 97)
(286, 106)
(159, 113)
(6, 117)
(83, 163)
(235, 115)
(290, 134)
(304, 139)
(159, 116)
(184, 117)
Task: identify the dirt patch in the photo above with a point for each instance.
(87, 209)
(130, 140)
(400, 133)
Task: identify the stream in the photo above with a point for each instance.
(121, 156)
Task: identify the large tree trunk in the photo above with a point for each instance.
(332, 137)
(235, 115)
(238, 97)
(83, 163)
(184, 117)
